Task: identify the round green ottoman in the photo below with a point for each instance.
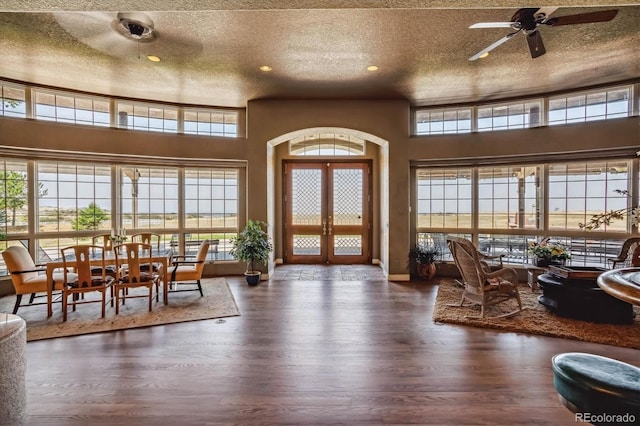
(599, 390)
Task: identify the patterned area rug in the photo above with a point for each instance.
(218, 302)
(534, 319)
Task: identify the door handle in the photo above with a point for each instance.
(324, 227)
(330, 225)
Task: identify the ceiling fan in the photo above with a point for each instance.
(528, 20)
(123, 34)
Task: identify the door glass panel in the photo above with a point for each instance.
(347, 197)
(306, 196)
(350, 245)
(306, 245)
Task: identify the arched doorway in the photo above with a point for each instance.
(326, 206)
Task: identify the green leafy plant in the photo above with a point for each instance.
(424, 254)
(252, 245)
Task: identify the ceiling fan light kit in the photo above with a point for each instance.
(528, 20)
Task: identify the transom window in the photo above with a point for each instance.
(590, 106)
(69, 108)
(150, 118)
(518, 115)
(437, 122)
(210, 123)
(331, 144)
(12, 101)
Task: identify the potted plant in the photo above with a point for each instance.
(252, 245)
(546, 253)
(423, 258)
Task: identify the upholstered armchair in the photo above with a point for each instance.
(27, 277)
(187, 269)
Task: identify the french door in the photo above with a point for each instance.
(327, 208)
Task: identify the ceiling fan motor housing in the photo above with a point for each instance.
(136, 25)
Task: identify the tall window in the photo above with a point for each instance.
(437, 122)
(444, 198)
(149, 118)
(72, 198)
(507, 197)
(70, 108)
(517, 115)
(210, 123)
(211, 203)
(12, 101)
(14, 200)
(596, 105)
(579, 190)
(149, 197)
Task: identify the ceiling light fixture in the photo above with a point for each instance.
(265, 68)
(372, 68)
(153, 58)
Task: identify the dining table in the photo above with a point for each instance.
(109, 261)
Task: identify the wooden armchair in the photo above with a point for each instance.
(629, 255)
(27, 277)
(483, 287)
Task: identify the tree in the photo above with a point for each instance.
(90, 217)
(13, 192)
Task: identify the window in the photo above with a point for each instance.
(579, 190)
(211, 202)
(14, 200)
(149, 118)
(211, 123)
(507, 197)
(596, 105)
(149, 198)
(327, 144)
(69, 108)
(73, 198)
(12, 101)
(517, 115)
(444, 198)
(510, 207)
(437, 122)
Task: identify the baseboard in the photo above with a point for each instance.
(398, 277)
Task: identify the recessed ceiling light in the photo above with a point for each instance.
(484, 55)
(265, 68)
(153, 58)
(372, 68)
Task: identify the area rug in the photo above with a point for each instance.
(218, 302)
(534, 319)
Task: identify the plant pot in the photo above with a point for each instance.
(426, 271)
(543, 262)
(252, 277)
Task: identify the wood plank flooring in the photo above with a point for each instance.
(304, 352)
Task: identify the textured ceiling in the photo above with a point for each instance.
(211, 51)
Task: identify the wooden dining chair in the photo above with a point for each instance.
(79, 258)
(153, 240)
(133, 263)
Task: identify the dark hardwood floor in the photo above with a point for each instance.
(304, 352)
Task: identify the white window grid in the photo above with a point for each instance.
(147, 117)
(445, 121)
(515, 115)
(327, 144)
(210, 122)
(71, 108)
(593, 105)
(13, 101)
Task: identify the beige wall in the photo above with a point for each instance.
(268, 120)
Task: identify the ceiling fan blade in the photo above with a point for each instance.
(492, 25)
(493, 46)
(536, 47)
(583, 18)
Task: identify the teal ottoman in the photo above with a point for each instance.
(599, 390)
